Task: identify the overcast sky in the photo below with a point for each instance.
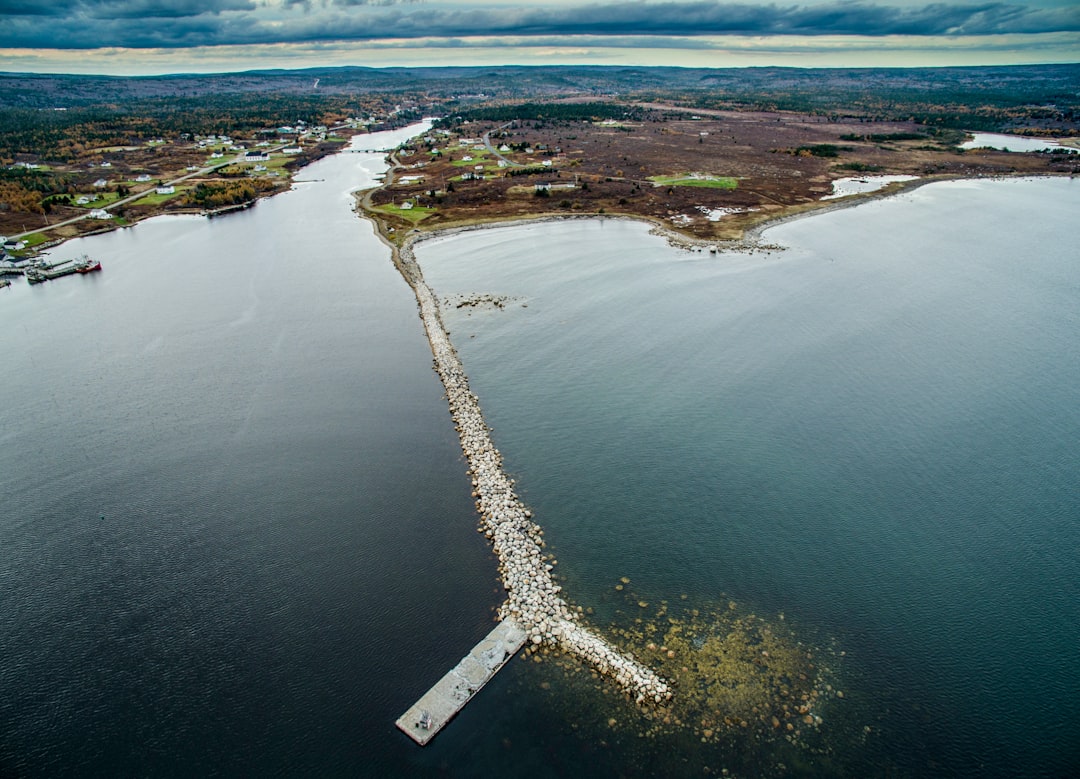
(170, 36)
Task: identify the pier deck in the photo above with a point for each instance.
(462, 682)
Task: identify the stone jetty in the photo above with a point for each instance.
(533, 601)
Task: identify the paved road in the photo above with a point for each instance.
(493, 150)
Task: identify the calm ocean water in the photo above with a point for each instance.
(237, 538)
(873, 433)
(236, 534)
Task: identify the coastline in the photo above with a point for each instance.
(533, 601)
(751, 240)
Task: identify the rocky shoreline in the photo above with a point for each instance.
(533, 600)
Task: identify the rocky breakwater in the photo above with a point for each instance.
(533, 600)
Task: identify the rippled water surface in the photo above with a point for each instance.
(236, 534)
(237, 539)
(873, 433)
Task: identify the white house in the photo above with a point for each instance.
(291, 150)
(82, 201)
(106, 164)
(504, 147)
(143, 177)
(100, 213)
(256, 156)
(168, 189)
(217, 155)
(406, 205)
(101, 183)
(466, 158)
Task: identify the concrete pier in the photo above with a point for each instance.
(438, 705)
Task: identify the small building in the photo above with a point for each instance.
(256, 156)
(217, 155)
(503, 164)
(504, 147)
(101, 183)
(543, 186)
(292, 150)
(100, 213)
(260, 168)
(14, 245)
(82, 201)
(407, 205)
(168, 189)
(106, 164)
(142, 177)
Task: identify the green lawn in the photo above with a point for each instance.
(695, 180)
(153, 198)
(478, 158)
(104, 199)
(415, 214)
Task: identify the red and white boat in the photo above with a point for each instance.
(86, 265)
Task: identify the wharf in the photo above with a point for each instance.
(450, 694)
(60, 272)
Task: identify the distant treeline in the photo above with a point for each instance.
(568, 112)
(63, 136)
(884, 137)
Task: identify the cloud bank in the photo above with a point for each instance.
(92, 24)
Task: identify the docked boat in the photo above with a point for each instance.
(86, 265)
(34, 276)
(4, 283)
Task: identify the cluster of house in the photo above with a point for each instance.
(302, 130)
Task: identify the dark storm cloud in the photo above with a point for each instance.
(121, 9)
(94, 23)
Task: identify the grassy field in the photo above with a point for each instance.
(478, 158)
(695, 180)
(103, 199)
(153, 198)
(416, 214)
